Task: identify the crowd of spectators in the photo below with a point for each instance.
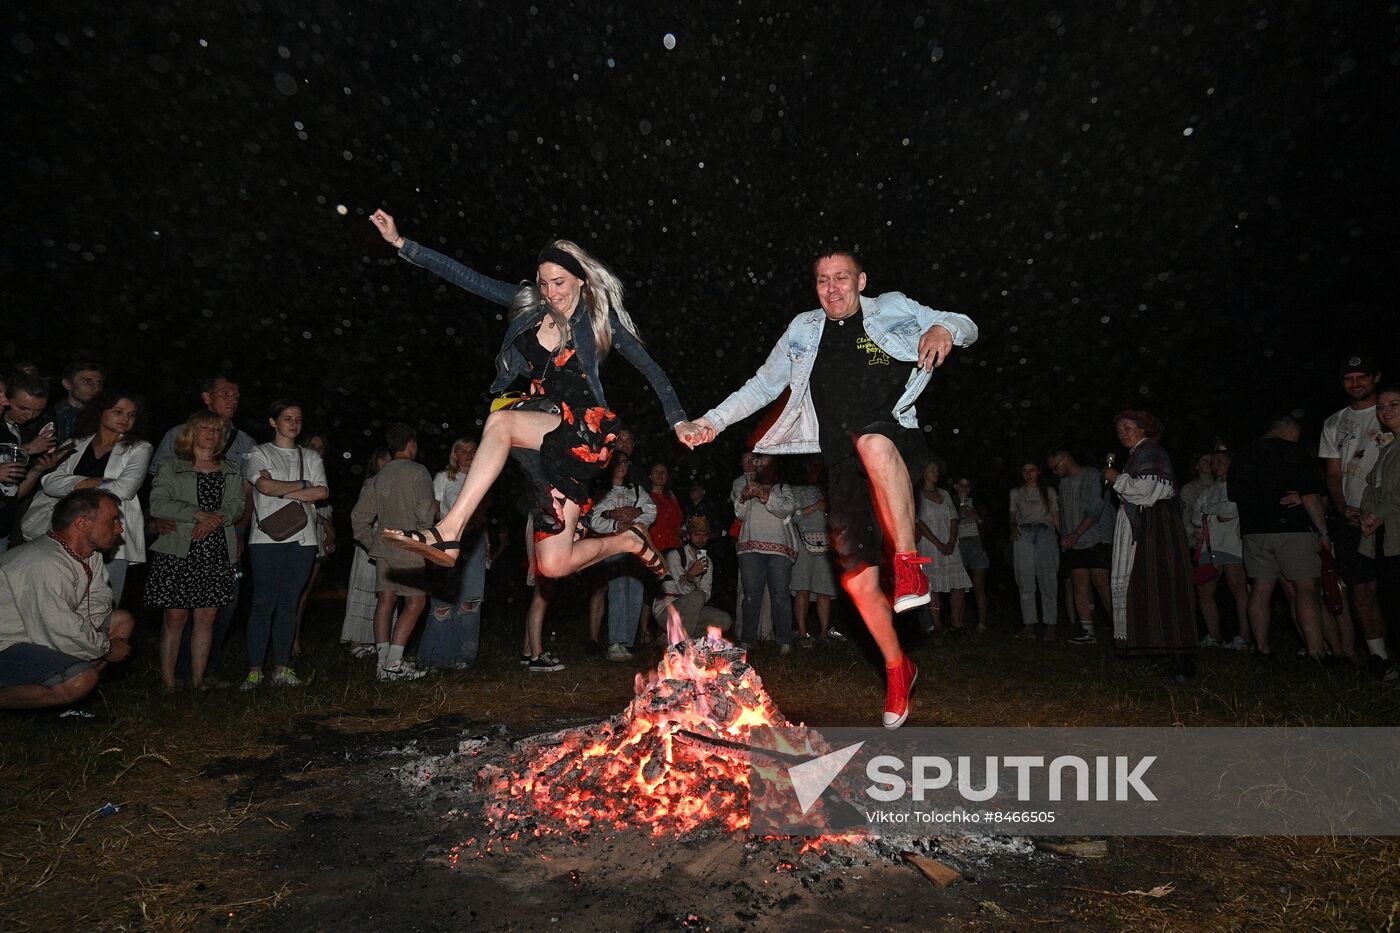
(1127, 551)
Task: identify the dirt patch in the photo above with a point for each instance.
(368, 849)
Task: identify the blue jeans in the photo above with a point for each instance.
(625, 590)
(775, 572)
(452, 630)
(280, 572)
(1036, 555)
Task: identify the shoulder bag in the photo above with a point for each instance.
(290, 519)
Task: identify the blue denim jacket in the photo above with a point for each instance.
(893, 321)
(510, 362)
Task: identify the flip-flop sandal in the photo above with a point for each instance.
(650, 557)
(417, 541)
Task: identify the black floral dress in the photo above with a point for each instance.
(572, 455)
(204, 577)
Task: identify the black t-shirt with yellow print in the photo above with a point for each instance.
(855, 384)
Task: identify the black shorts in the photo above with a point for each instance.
(855, 534)
(1356, 568)
(1094, 557)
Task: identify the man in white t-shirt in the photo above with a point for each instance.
(1349, 447)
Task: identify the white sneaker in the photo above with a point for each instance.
(255, 678)
(785, 648)
(1210, 641)
(1084, 638)
(619, 652)
(286, 677)
(1239, 644)
(404, 670)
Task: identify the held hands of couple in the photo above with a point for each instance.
(694, 433)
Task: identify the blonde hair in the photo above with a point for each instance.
(457, 446)
(184, 441)
(601, 290)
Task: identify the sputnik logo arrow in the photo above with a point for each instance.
(811, 778)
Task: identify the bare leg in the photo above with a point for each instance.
(824, 613)
(1346, 629)
(173, 624)
(800, 602)
(385, 600)
(1309, 612)
(1100, 579)
(1260, 609)
(979, 595)
(408, 619)
(864, 589)
(891, 490)
(503, 430)
(1205, 597)
(956, 599)
(34, 696)
(1083, 594)
(1234, 579)
(534, 617)
(560, 555)
(201, 637)
(1368, 611)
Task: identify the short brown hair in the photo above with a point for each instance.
(1149, 423)
(838, 251)
(184, 441)
(82, 503)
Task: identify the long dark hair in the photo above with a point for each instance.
(1039, 483)
(90, 416)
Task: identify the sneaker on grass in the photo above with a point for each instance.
(403, 670)
(619, 652)
(254, 681)
(1238, 643)
(544, 663)
(1084, 638)
(286, 677)
(1210, 641)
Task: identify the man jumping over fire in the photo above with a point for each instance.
(854, 404)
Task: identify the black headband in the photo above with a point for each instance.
(560, 258)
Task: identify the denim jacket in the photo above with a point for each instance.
(893, 321)
(510, 362)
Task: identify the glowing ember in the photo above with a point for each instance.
(631, 771)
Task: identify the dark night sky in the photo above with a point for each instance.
(1179, 206)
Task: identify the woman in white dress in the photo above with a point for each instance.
(937, 529)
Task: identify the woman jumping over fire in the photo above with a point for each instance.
(560, 327)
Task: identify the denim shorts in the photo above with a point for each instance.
(974, 557)
(25, 665)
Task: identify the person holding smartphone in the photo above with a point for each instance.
(27, 395)
(688, 586)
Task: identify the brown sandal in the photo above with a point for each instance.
(649, 556)
(441, 552)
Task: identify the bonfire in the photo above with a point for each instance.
(672, 763)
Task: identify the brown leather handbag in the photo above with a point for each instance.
(290, 519)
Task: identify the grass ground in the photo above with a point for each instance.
(161, 862)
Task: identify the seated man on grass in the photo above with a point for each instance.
(58, 629)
